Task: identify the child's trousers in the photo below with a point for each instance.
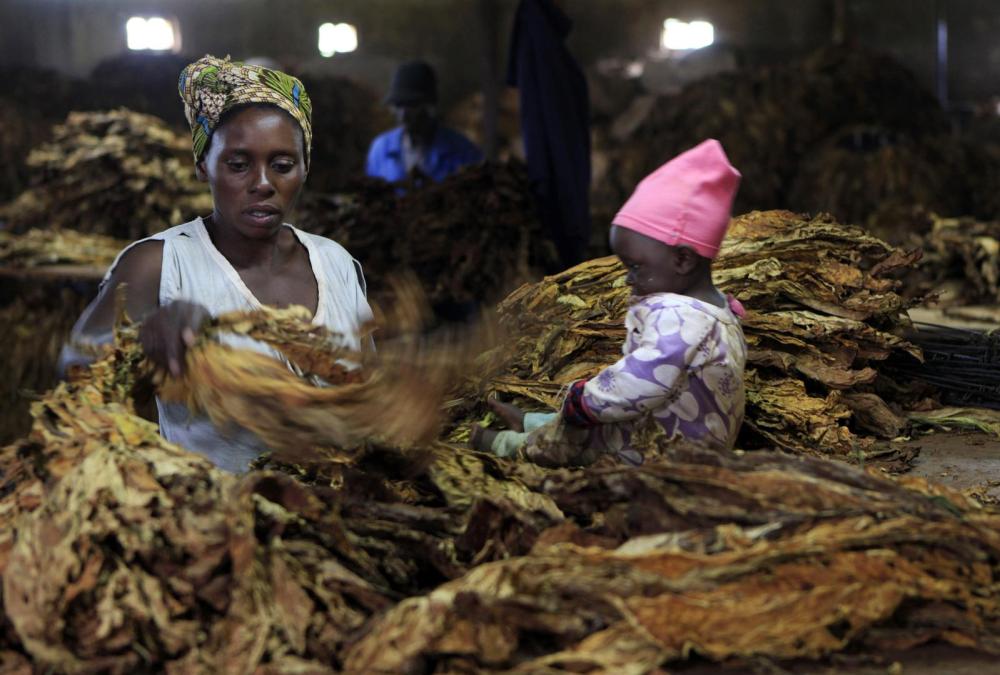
(507, 443)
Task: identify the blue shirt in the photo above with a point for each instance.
(448, 152)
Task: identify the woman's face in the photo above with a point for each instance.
(255, 168)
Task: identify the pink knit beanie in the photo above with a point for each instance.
(687, 201)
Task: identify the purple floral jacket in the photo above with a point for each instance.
(683, 365)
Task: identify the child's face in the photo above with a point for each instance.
(653, 267)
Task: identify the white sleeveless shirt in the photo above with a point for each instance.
(195, 271)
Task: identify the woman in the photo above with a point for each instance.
(252, 134)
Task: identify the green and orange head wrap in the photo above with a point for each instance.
(210, 86)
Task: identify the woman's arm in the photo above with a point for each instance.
(166, 332)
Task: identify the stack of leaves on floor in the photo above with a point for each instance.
(961, 261)
(723, 557)
(823, 312)
(776, 121)
(118, 173)
(34, 324)
(468, 239)
(120, 552)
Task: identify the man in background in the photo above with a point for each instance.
(421, 144)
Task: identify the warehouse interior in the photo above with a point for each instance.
(362, 336)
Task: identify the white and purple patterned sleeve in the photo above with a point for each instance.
(654, 374)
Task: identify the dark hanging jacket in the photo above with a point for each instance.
(555, 121)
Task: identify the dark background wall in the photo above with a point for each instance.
(75, 35)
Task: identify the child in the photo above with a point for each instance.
(684, 353)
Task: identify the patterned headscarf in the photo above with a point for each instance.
(210, 86)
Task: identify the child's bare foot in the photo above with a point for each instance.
(481, 438)
(511, 415)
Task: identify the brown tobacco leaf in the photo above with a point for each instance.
(312, 348)
(152, 556)
(396, 397)
(962, 258)
(775, 120)
(724, 556)
(821, 317)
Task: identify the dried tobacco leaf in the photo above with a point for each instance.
(771, 120)
(397, 398)
(468, 239)
(814, 556)
(154, 558)
(864, 174)
(961, 250)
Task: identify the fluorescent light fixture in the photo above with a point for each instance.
(153, 33)
(682, 35)
(337, 38)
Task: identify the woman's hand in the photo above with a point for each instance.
(167, 333)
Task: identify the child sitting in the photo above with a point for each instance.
(684, 353)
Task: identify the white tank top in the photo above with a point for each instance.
(194, 270)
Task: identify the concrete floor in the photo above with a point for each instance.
(927, 660)
(960, 461)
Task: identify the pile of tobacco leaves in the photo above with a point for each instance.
(120, 552)
(778, 121)
(865, 175)
(823, 312)
(961, 261)
(117, 173)
(468, 239)
(347, 116)
(37, 311)
(35, 320)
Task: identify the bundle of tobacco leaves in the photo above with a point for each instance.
(117, 173)
(720, 556)
(468, 239)
(961, 259)
(395, 396)
(154, 559)
(38, 248)
(822, 314)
